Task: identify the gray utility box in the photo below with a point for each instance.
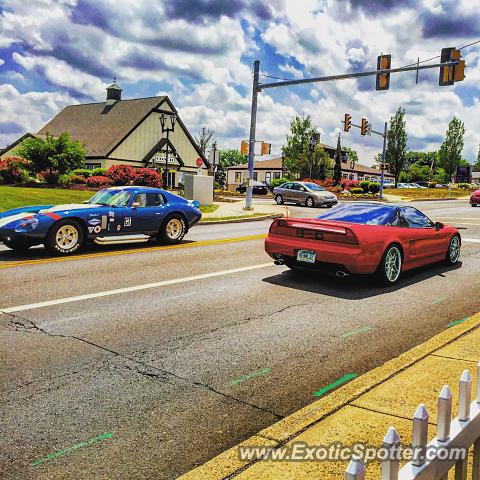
(198, 187)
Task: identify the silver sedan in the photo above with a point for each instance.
(304, 193)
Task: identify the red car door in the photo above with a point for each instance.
(429, 244)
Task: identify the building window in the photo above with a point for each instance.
(268, 177)
(255, 176)
(91, 166)
(276, 175)
(238, 177)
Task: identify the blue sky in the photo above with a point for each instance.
(58, 52)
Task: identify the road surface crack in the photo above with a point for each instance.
(139, 367)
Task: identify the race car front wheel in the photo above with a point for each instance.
(173, 229)
(65, 237)
(390, 267)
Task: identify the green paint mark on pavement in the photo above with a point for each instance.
(355, 332)
(251, 375)
(456, 322)
(345, 378)
(439, 300)
(59, 453)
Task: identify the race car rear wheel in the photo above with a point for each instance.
(390, 267)
(65, 237)
(173, 229)
(453, 253)
(18, 246)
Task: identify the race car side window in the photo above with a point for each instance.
(148, 200)
(414, 218)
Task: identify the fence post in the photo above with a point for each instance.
(391, 442)
(355, 470)
(464, 396)
(444, 414)
(478, 383)
(420, 435)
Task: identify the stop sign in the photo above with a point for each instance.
(199, 162)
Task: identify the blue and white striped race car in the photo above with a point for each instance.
(115, 215)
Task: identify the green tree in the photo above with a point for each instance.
(205, 138)
(53, 155)
(476, 165)
(396, 153)
(228, 158)
(298, 141)
(322, 164)
(352, 155)
(450, 153)
(337, 169)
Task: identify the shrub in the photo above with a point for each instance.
(121, 174)
(431, 184)
(356, 190)
(98, 172)
(365, 186)
(465, 186)
(148, 178)
(84, 172)
(277, 182)
(99, 181)
(14, 170)
(374, 187)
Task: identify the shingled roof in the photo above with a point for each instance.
(101, 132)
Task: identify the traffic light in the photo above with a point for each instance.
(449, 74)
(364, 127)
(244, 147)
(384, 62)
(347, 124)
(266, 148)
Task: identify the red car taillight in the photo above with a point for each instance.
(326, 234)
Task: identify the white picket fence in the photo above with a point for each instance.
(461, 433)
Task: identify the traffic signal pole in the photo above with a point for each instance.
(251, 142)
(382, 175)
(258, 87)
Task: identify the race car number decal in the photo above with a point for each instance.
(127, 222)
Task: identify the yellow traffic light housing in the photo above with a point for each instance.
(347, 123)
(244, 147)
(364, 127)
(384, 62)
(266, 148)
(449, 74)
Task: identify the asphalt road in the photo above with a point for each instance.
(173, 355)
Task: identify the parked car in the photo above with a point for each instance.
(115, 215)
(304, 193)
(422, 184)
(403, 185)
(363, 238)
(475, 198)
(416, 185)
(259, 188)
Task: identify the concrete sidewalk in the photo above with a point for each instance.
(235, 209)
(362, 410)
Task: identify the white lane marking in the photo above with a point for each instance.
(464, 223)
(474, 240)
(136, 288)
(460, 218)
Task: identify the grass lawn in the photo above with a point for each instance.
(414, 193)
(208, 208)
(13, 197)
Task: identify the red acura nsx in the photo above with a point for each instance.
(363, 238)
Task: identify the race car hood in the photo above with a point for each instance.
(68, 207)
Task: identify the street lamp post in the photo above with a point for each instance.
(283, 162)
(167, 130)
(313, 142)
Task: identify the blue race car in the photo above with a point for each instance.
(113, 215)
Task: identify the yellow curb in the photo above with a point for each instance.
(295, 424)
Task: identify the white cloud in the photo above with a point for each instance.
(2, 61)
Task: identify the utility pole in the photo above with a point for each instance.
(383, 159)
(253, 124)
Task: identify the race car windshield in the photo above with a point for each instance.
(313, 186)
(111, 198)
(364, 214)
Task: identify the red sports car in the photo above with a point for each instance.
(475, 198)
(359, 238)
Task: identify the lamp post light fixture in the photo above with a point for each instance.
(167, 129)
